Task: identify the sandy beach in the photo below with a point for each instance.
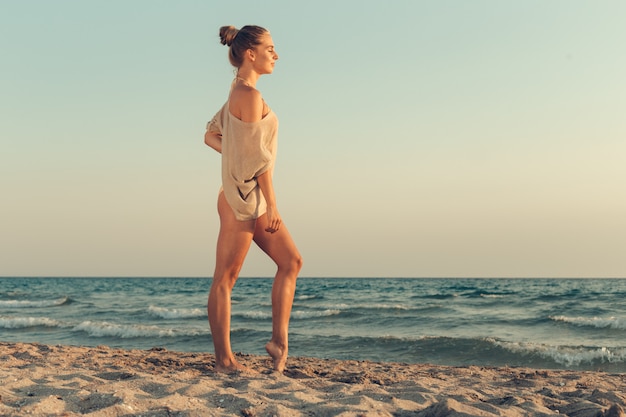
(43, 380)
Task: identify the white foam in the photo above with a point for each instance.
(126, 331)
(32, 303)
(599, 322)
(565, 355)
(26, 322)
(176, 313)
(267, 315)
(369, 306)
(313, 314)
(491, 296)
(306, 297)
(256, 315)
(383, 306)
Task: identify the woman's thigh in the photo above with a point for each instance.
(278, 245)
(233, 240)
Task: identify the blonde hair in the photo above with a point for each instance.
(240, 40)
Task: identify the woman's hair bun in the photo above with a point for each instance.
(227, 34)
(240, 40)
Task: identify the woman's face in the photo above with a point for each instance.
(265, 55)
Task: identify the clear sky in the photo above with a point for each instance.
(417, 138)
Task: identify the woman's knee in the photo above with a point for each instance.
(225, 278)
(292, 265)
(298, 262)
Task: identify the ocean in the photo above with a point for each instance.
(575, 324)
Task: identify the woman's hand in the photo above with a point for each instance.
(267, 188)
(273, 219)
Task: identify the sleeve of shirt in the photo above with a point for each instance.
(215, 124)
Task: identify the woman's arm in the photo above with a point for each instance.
(267, 188)
(214, 140)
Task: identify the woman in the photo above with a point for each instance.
(245, 132)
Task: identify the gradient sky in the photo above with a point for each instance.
(417, 138)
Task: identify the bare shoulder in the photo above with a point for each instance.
(246, 103)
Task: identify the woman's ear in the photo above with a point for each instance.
(250, 54)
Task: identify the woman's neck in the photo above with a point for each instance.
(248, 78)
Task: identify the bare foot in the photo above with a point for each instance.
(278, 354)
(233, 367)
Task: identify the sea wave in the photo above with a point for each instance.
(308, 297)
(176, 313)
(368, 306)
(437, 296)
(254, 315)
(568, 356)
(384, 306)
(33, 303)
(465, 351)
(298, 314)
(597, 322)
(129, 331)
(483, 295)
(27, 322)
(314, 314)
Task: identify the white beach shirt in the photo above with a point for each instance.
(248, 150)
